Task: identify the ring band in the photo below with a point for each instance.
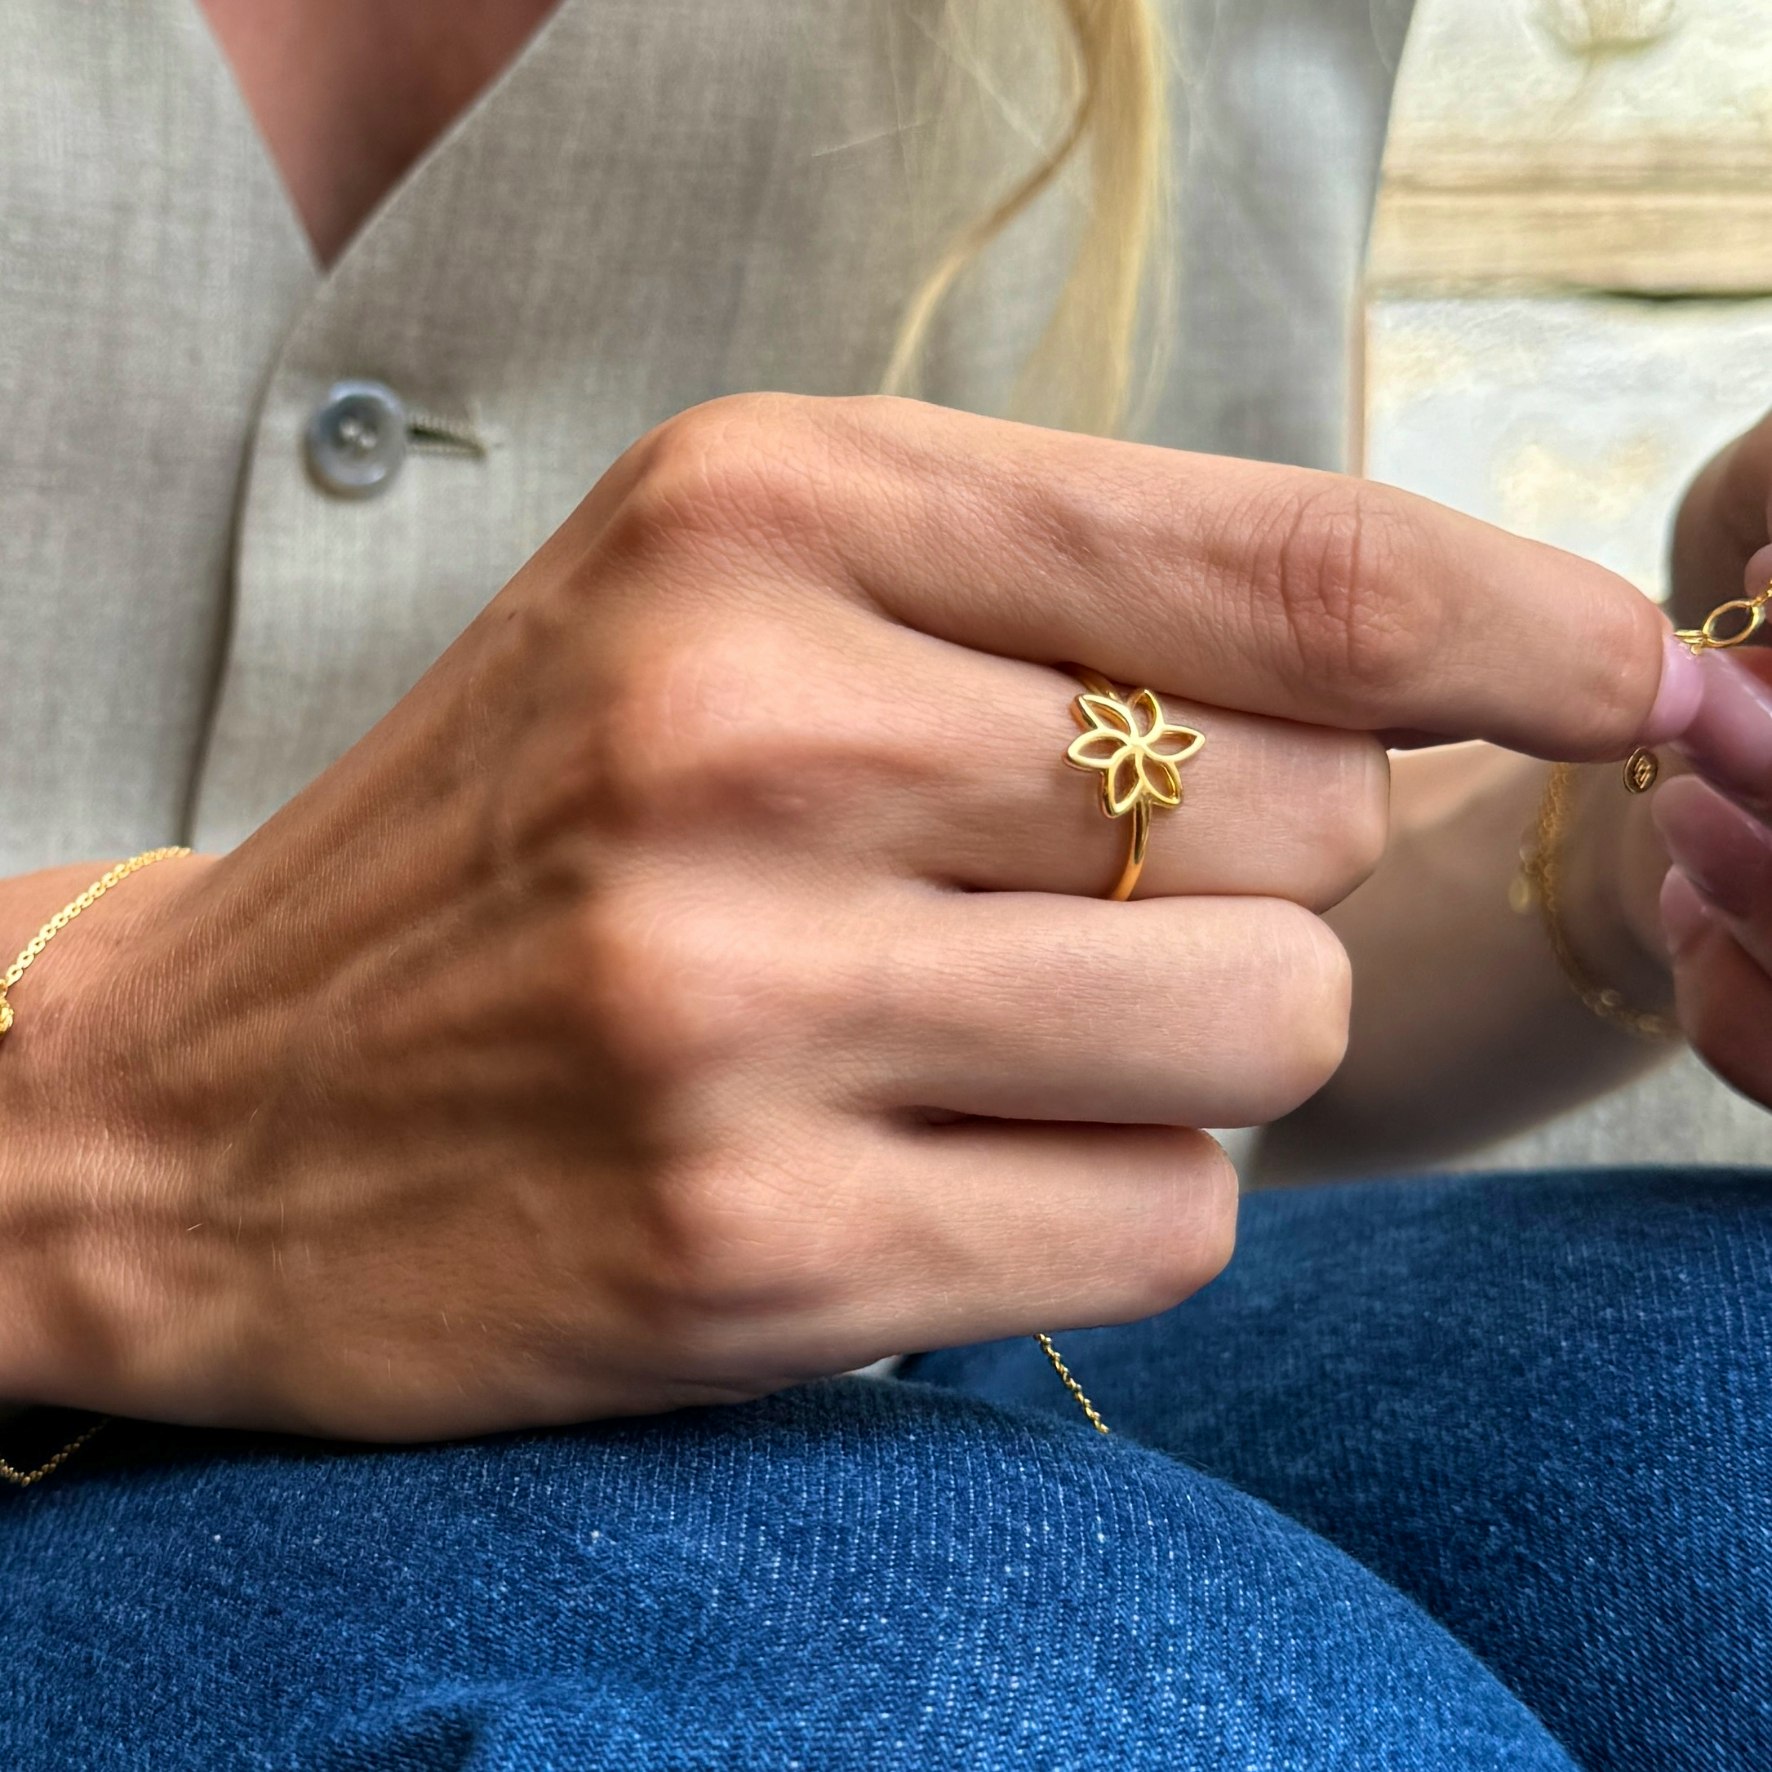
(1137, 750)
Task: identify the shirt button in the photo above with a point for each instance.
(356, 439)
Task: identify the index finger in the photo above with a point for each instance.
(1282, 591)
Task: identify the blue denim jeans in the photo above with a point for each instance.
(1451, 1474)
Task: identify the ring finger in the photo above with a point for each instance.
(1269, 807)
(1025, 1006)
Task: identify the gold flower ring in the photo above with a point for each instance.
(1138, 751)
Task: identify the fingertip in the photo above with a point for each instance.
(1684, 914)
(1729, 738)
(1678, 800)
(1680, 695)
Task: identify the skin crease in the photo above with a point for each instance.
(619, 1025)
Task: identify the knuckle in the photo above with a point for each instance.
(717, 730)
(661, 993)
(1196, 1243)
(727, 1238)
(1352, 818)
(690, 721)
(1351, 618)
(1079, 518)
(1306, 996)
(745, 470)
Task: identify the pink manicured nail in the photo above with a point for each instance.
(1730, 740)
(1725, 852)
(1680, 695)
(1684, 917)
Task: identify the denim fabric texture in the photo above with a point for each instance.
(1416, 1429)
(1540, 1407)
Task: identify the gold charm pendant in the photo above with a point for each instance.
(1730, 624)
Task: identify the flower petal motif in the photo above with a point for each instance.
(1096, 749)
(1175, 744)
(1144, 706)
(1160, 779)
(1106, 713)
(1134, 746)
(1124, 784)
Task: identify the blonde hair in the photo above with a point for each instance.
(1102, 343)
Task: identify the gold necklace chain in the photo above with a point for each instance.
(1070, 1383)
(27, 956)
(24, 1479)
(1539, 882)
(1729, 625)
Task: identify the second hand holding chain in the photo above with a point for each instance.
(1749, 614)
(1539, 882)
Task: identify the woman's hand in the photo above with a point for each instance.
(699, 981)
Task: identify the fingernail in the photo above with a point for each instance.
(1680, 695)
(1725, 852)
(1730, 740)
(1684, 917)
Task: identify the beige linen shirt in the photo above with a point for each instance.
(659, 201)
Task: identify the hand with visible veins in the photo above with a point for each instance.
(700, 981)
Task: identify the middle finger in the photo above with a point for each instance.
(1270, 808)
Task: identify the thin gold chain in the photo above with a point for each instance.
(27, 956)
(1750, 613)
(1071, 1385)
(66, 915)
(24, 1479)
(1540, 881)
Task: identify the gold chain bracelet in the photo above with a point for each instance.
(27, 956)
(65, 916)
(1539, 882)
